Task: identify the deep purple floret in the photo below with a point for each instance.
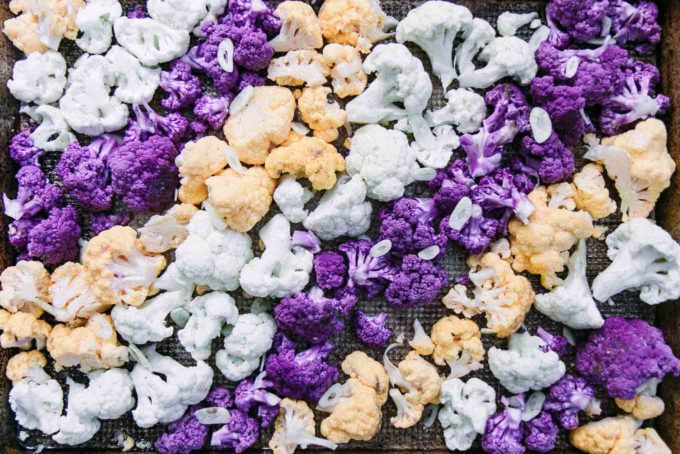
(267, 414)
(309, 316)
(372, 331)
(452, 184)
(540, 433)
(35, 194)
(183, 436)
(213, 110)
(104, 221)
(581, 19)
(417, 282)
(503, 433)
(330, 270)
(557, 37)
(256, 14)
(408, 224)
(568, 397)
(251, 393)
(220, 397)
(148, 122)
(23, 151)
(249, 79)
(238, 434)
(552, 160)
(477, 233)
(18, 232)
(55, 239)
(364, 270)
(503, 191)
(345, 299)
(182, 87)
(554, 342)
(137, 12)
(635, 23)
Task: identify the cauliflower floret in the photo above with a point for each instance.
(164, 232)
(369, 372)
(291, 197)
(648, 441)
(95, 21)
(507, 56)
(436, 150)
(244, 347)
(300, 28)
(479, 34)
(458, 344)
(342, 211)
(359, 23)
(47, 20)
(541, 245)
(19, 366)
(639, 163)
(508, 22)
(310, 158)
(526, 365)
(135, 83)
(234, 368)
(347, 74)
(23, 285)
(299, 67)
(53, 133)
(121, 270)
(23, 32)
(421, 342)
(178, 14)
(208, 314)
(37, 401)
(591, 195)
(645, 405)
(197, 162)
(466, 408)
(262, 123)
(282, 269)
(606, 436)
(241, 199)
(146, 323)
(464, 108)
(383, 159)
(323, 117)
(40, 78)
(165, 388)
(356, 416)
(20, 329)
(502, 296)
(151, 41)
(295, 427)
(572, 303)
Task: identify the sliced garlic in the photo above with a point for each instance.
(541, 125)
(461, 214)
(381, 248)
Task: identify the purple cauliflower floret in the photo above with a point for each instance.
(452, 184)
(182, 87)
(306, 240)
(553, 342)
(220, 397)
(330, 270)
(148, 122)
(557, 37)
(144, 175)
(18, 232)
(104, 221)
(417, 282)
(540, 433)
(364, 270)
(137, 12)
(624, 354)
(484, 149)
(635, 23)
(23, 151)
(345, 299)
(552, 160)
(238, 434)
(568, 397)
(183, 436)
(477, 234)
(252, 394)
(309, 316)
(407, 223)
(503, 433)
(55, 239)
(35, 194)
(504, 192)
(250, 79)
(267, 414)
(203, 58)
(256, 14)
(213, 110)
(305, 375)
(581, 19)
(372, 330)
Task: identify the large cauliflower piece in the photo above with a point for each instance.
(197, 162)
(146, 323)
(93, 346)
(357, 415)
(37, 401)
(23, 285)
(541, 246)
(19, 330)
(347, 72)
(300, 28)
(639, 163)
(295, 427)
(263, 122)
(310, 158)
(209, 313)
(162, 233)
(458, 344)
(121, 270)
(136, 34)
(608, 435)
(95, 22)
(369, 372)
(322, 116)
(359, 23)
(299, 67)
(40, 78)
(590, 193)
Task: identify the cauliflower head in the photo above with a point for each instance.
(40, 78)
(590, 193)
(19, 330)
(23, 32)
(197, 162)
(369, 372)
(357, 416)
(506, 56)
(457, 343)
(347, 72)
(359, 23)
(608, 435)
(420, 385)
(95, 22)
(162, 233)
(23, 285)
(322, 116)
(299, 67)
(71, 294)
(146, 323)
(136, 34)
(300, 28)
(37, 402)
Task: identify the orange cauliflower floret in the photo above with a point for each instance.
(19, 366)
(164, 232)
(639, 163)
(72, 294)
(642, 407)
(241, 199)
(309, 157)
(20, 329)
(369, 372)
(323, 117)
(93, 346)
(199, 161)
(421, 342)
(262, 123)
(590, 194)
(347, 72)
(120, 269)
(24, 34)
(502, 296)
(359, 23)
(357, 415)
(457, 343)
(23, 285)
(300, 28)
(542, 245)
(420, 385)
(606, 436)
(299, 67)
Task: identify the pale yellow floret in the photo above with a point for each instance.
(301, 23)
(642, 407)
(423, 388)
(23, 284)
(369, 372)
(355, 22)
(606, 436)
(23, 32)
(349, 78)
(323, 117)
(19, 366)
(302, 412)
(199, 161)
(71, 291)
(21, 329)
(591, 195)
(355, 418)
(299, 67)
(454, 338)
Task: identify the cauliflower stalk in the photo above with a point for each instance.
(208, 314)
(40, 78)
(146, 323)
(295, 427)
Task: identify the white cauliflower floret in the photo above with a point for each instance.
(135, 83)
(572, 303)
(508, 23)
(401, 87)
(146, 323)
(164, 232)
(37, 402)
(507, 56)
(95, 21)
(466, 408)
(342, 211)
(234, 368)
(645, 257)
(478, 35)
(250, 339)
(434, 26)
(299, 67)
(525, 365)
(208, 314)
(39, 78)
(300, 28)
(436, 151)
(165, 388)
(290, 196)
(53, 133)
(75, 429)
(383, 159)
(349, 78)
(213, 255)
(173, 280)
(464, 108)
(295, 427)
(281, 269)
(151, 41)
(177, 14)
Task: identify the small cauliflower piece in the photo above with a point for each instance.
(37, 401)
(347, 74)
(53, 133)
(590, 193)
(507, 56)
(93, 346)
(95, 21)
(464, 108)
(47, 20)
(19, 366)
(197, 162)
(436, 150)
(151, 41)
(421, 342)
(261, 124)
(322, 116)
(146, 323)
(291, 197)
(310, 158)
(300, 28)
(299, 67)
(178, 14)
(458, 344)
(639, 163)
(645, 404)
(526, 365)
(135, 83)
(369, 372)
(71, 294)
(39, 78)
(648, 441)
(342, 211)
(19, 330)
(162, 233)
(508, 22)
(606, 436)
(208, 314)
(24, 33)
(241, 199)
(541, 245)
(359, 23)
(23, 285)
(295, 427)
